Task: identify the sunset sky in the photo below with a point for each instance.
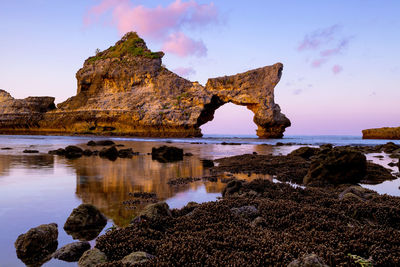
(341, 57)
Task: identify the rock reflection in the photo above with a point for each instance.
(41, 161)
(107, 184)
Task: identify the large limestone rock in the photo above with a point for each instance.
(37, 245)
(382, 133)
(125, 90)
(18, 115)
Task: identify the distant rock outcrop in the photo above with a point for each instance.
(125, 90)
(392, 133)
(20, 114)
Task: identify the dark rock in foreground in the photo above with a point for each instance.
(340, 165)
(167, 154)
(92, 257)
(71, 252)
(85, 222)
(337, 167)
(36, 246)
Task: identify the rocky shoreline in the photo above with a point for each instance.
(317, 213)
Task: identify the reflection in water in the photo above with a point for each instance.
(107, 184)
(8, 162)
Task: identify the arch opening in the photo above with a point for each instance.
(230, 119)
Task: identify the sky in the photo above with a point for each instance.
(341, 57)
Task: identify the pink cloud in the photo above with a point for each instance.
(318, 38)
(337, 69)
(183, 46)
(163, 24)
(318, 62)
(184, 72)
(337, 50)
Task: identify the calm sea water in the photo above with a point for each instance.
(40, 188)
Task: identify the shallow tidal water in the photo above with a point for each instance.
(41, 188)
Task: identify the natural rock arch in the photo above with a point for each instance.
(253, 89)
(125, 90)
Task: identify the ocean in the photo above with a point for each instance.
(41, 188)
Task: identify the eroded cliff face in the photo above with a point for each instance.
(22, 114)
(382, 133)
(125, 90)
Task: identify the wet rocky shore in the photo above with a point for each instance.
(312, 211)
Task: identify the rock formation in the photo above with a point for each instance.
(20, 114)
(382, 133)
(125, 90)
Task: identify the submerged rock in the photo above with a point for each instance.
(167, 154)
(71, 252)
(92, 258)
(36, 246)
(85, 222)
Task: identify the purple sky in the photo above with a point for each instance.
(341, 58)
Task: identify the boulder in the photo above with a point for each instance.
(105, 143)
(232, 187)
(155, 211)
(258, 222)
(36, 246)
(338, 166)
(390, 147)
(125, 153)
(30, 151)
(72, 252)
(91, 258)
(59, 152)
(91, 143)
(249, 212)
(167, 154)
(310, 260)
(110, 153)
(87, 152)
(73, 152)
(137, 257)
(305, 152)
(85, 222)
(207, 163)
(356, 192)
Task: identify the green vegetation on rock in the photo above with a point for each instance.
(130, 45)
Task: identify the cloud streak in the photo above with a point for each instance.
(325, 44)
(184, 72)
(162, 24)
